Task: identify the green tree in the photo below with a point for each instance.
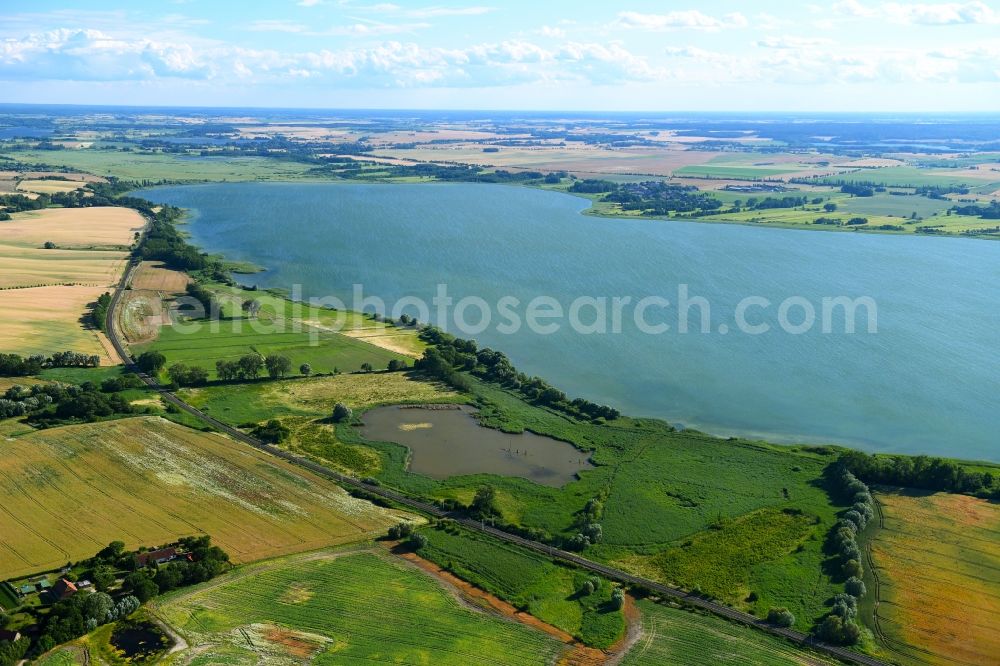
(780, 616)
(277, 366)
(305, 369)
(484, 504)
(250, 365)
(855, 587)
(151, 362)
(341, 413)
(366, 367)
(141, 586)
(103, 577)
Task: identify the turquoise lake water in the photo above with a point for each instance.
(927, 382)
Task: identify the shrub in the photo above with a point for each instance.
(780, 616)
(341, 413)
(852, 568)
(855, 587)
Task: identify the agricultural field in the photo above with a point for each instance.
(46, 319)
(584, 160)
(47, 294)
(67, 492)
(332, 607)
(937, 559)
(77, 228)
(48, 186)
(674, 636)
(909, 176)
(38, 267)
(154, 276)
(150, 165)
(529, 581)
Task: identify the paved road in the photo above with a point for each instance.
(427, 508)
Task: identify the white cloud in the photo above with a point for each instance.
(682, 19)
(276, 25)
(946, 13)
(550, 31)
(309, 3)
(89, 55)
(792, 42)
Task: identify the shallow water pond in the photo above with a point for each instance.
(446, 442)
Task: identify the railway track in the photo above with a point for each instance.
(430, 509)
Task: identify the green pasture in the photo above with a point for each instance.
(335, 608)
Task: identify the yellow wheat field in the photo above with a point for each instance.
(66, 492)
(938, 562)
(73, 227)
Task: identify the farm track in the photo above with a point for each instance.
(430, 509)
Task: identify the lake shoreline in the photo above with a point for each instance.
(709, 425)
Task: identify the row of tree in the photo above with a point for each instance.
(928, 473)
(448, 356)
(15, 365)
(839, 625)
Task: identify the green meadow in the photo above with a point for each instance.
(674, 636)
(341, 607)
(530, 582)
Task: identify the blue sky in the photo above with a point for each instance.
(842, 55)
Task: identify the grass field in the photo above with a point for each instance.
(66, 492)
(938, 565)
(145, 165)
(903, 176)
(304, 405)
(659, 489)
(303, 333)
(673, 636)
(530, 582)
(337, 608)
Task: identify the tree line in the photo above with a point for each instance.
(447, 356)
(926, 472)
(15, 365)
(840, 625)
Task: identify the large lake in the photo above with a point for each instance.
(927, 382)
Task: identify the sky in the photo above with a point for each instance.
(840, 55)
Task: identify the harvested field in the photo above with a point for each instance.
(74, 227)
(153, 276)
(41, 320)
(48, 186)
(34, 267)
(937, 558)
(397, 340)
(141, 315)
(321, 606)
(66, 492)
(584, 159)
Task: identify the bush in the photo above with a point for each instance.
(272, 432)
(400, 531)
(341, 413)
(417, 541)
(852, 569)
(780, 616)
(855, 587)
